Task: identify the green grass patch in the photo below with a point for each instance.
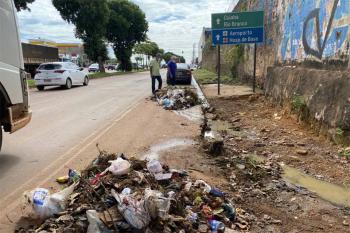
(31, 83)
(104, 75)
(207, 77)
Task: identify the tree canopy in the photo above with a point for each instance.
(127, 26)
(23, 4)
(167, 56)
(148, 48)
(90, 18)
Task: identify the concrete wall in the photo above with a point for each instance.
(305, 53)
(325, 92)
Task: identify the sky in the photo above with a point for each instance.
(175, 25)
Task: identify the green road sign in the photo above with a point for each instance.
(237, 20)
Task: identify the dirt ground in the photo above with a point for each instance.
(133, 134)
(226, 90)
(258, 139)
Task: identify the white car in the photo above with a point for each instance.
(94, 67)
(64, 74)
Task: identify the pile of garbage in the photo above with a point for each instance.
(177, 99)
(120, 194)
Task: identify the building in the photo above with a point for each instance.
(67, 51)
(34, 55)
(204, 39)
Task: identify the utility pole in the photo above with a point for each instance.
(194, 53)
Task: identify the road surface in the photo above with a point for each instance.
(61, 120)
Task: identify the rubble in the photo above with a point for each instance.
(107, 200)
(177, 98)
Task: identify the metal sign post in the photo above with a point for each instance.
(254, 72)
(238, 28)
(219, 69)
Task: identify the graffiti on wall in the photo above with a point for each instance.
(310, 28)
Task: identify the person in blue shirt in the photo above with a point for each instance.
(172, 70)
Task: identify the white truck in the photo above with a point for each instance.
(14, 107)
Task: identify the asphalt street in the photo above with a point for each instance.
(61, 120)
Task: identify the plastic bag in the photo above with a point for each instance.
(154, 167)
(95, 224)
(166, 103)
(200, 183)
(133, 211)
(157, 204)
(43, 205)
(118, 167)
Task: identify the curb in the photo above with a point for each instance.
(200, 93)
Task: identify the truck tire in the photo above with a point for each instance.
(68, 83)
(0, 138)
(40, 88)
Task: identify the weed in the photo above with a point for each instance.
(344, 153)
(298, 104)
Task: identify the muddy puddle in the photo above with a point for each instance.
(156, 150)
(194, 114)
(335, 194)
(225, 127)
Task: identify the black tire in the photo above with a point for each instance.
(40, 88)
(86, 81)
(68, 83)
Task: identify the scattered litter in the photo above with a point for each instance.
(41, 205)
(177, 99)
(130, 195)
(118, 167)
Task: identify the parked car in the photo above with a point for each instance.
(183, 74)
(14, 109)
(112, 67)
(64, 74)
(94, 67)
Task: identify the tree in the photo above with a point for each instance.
(90, 18)
(127, 26)
(167, 56)
(23, 4)
(148, 49)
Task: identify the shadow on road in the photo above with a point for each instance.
(58, 88)
(6, 162)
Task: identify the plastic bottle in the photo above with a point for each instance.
(216, 226)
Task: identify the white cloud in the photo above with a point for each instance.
(174, 25)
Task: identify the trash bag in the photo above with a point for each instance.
(166, 103)
(118, 167)
(42, 205)
(157, 205)
(95, 224)
(154, 167)
(200, 183)
(133, 211)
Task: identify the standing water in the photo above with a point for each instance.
(333, 193)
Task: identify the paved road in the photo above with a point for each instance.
(62, 119)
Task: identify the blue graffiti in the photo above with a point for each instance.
(297, 12)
